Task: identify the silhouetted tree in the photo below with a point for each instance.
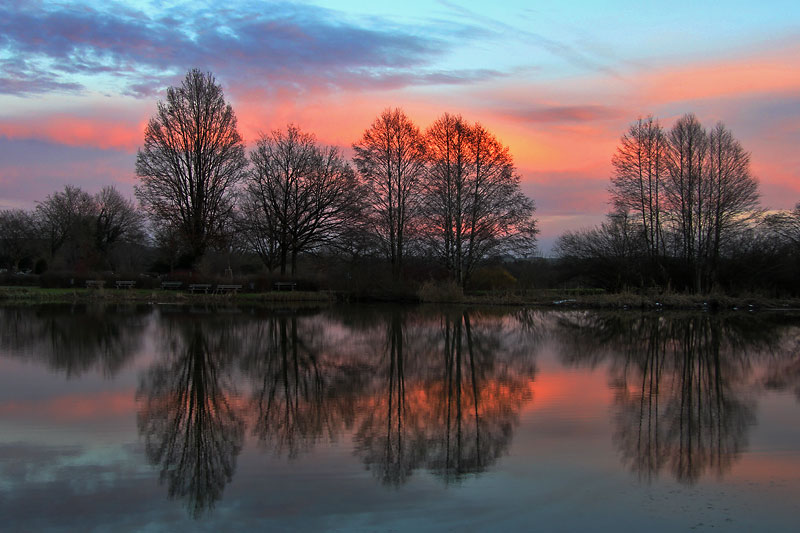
(640, 169)
(192, 158)
(299, 197)
(17, 237)
(118, 224)
(711, 194)
(65, 220)
(390, 159)
(473, 204)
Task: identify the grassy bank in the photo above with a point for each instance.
(46, 295)
(578, 299)
(597, 299)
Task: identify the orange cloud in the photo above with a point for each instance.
(104, 133)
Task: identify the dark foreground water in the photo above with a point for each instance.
(163, 418)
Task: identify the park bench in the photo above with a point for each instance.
(95, 283)
(284, 285)
(128, 284)
(221, 288)
(205, 287)
(171, 284)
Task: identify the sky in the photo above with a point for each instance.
(558, 82)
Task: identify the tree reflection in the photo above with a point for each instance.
(74, 339)
(301, 394)
(679, 381)
(448, 399)
(188, 415)
(391, 439)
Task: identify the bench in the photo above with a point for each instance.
(284, 285)
(171, 284)
(205, 287)
(228, 288)
(95, 283)
(126, 284)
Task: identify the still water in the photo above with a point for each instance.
(167, 418)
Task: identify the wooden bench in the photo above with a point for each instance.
(205, 287)
(128, 284)
(221, 289)
(284, 285)
(171, 284)
(95, 283)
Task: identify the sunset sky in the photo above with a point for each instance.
(558, 82)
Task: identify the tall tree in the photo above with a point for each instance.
(711, 193)
(687, 192)
(299, 196)
(500, 215)
(390, 158)
(640, 169)
(192, 158)
(448, 190)
(733, 191)
(473, 203)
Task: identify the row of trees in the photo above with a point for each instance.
(451, 192)
(72, 228)
(684, 202)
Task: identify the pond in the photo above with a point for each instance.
(373, 418)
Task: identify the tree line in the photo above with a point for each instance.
(685, 215)
(448, 196)
(436, 203)
(450, 193)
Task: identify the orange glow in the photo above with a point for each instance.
(106, 133)
(733, 78)
(561, 388)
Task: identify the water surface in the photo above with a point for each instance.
(168, 418)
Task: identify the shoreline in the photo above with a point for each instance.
(551, 299)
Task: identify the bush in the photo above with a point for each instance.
(440, 292)
(492, 279)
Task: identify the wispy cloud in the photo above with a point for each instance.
(267, 46)
(564, 113)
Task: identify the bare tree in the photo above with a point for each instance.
(65, 221)
(192, 158)
(685, 191)
(118, 222)
(733, 191)
(786, 226)
(500, 216)
(640, 169)
(711, 194)
(390, 159)
(448, 190)
(299, 196)
(17, 236)
(473, 204)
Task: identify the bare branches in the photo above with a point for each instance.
(390, 158)
(192, 158)
(473, 205)
(299, 197)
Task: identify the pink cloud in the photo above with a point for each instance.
(110, 132)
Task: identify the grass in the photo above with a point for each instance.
(47, 295)
(574, 298)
